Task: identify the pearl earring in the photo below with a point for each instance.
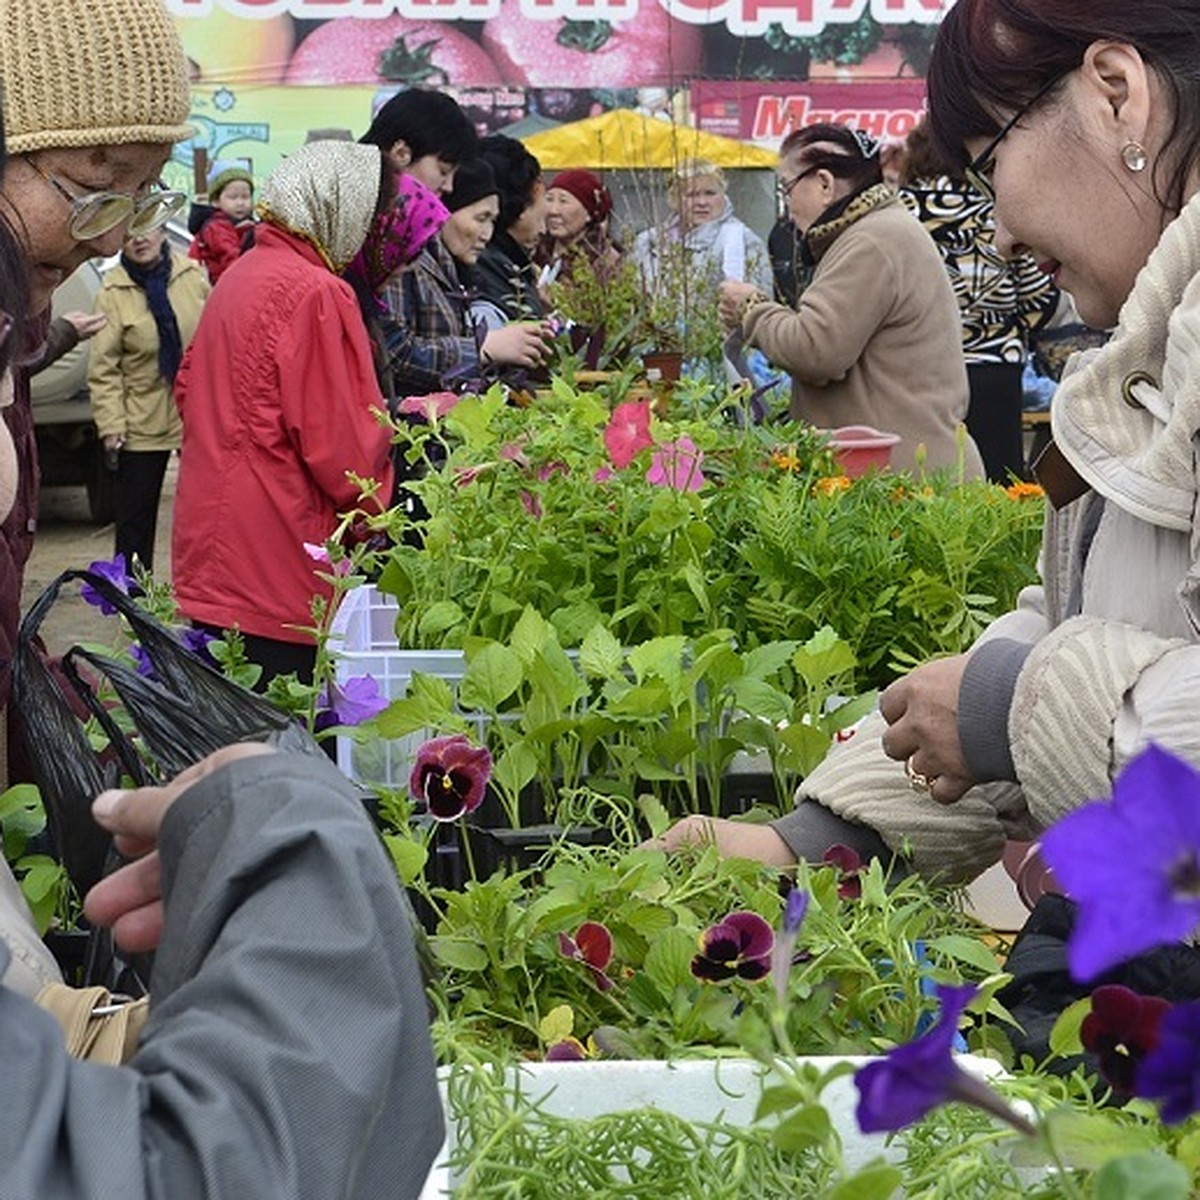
(1133, 155)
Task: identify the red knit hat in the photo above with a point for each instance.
(588, 190)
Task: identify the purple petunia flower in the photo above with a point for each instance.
(198, 642)
(592, 945)
(117, 573)
(1168, 1073)
(1120, 1031)
(450, 776)
(915, 1078)
(1149, 893)
(737, 947)
(350, 703)
(794, 911)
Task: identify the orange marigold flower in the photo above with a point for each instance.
(785, 461)
(832, 484)
(1024, 491)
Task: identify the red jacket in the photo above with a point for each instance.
(220, 242)
(276, 392)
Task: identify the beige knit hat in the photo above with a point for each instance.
(91, 73)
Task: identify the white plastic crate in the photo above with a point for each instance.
(364, 631)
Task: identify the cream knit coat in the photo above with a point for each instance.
(1115, 626)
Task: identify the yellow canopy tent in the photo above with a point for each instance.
(626, 140)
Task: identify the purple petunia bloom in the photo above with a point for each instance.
(1169, 1072)
(198, 641)
(794, 911)
(350, 703)
(1120, 1031)
(450, 776)
(592, 945)
(915, 1078)
(1148, 894)
(737, 947)
(117, 573)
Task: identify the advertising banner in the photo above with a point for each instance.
(269, 74)
(765, 113)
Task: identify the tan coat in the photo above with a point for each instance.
(876, 340)
(129, 395)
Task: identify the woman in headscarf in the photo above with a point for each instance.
(152, 300)
(278, 394)
(578, 208)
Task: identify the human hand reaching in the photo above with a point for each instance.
(130, 899)
(519, 344)
(86, 324)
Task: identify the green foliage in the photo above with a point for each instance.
(771, 549)
(43, 881)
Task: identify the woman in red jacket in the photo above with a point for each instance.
(278, 395)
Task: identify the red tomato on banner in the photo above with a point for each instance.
(648, 49)
(392, 49)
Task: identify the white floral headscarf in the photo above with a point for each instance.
(326, 192)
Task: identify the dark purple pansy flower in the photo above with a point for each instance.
(450, 776)
(569, 1049)
(1170, 1073)
(117, 573)
(1120, 1031)
(592, 945)
(356, 700)
(1147, 895)
(913, 1079)
(737, 947)
(849, 867)
(794, 910)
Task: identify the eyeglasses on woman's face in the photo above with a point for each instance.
(978, 171)
(783, 187)
(97, 213)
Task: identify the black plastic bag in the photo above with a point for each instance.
(171, 721)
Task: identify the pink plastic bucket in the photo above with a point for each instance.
(861, 448)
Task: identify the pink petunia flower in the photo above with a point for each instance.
(677, 465)
(627, 432)
(432, 407)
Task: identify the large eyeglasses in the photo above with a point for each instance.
(978, 172)
(97, 213)
(783, 188)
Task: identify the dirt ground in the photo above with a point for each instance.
(66, 539)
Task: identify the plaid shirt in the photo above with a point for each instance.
(428, 330)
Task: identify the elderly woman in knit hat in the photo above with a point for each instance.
(95, 96)
(279, 395)
(578, 207)
(431, 339)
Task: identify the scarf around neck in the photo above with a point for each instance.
(154, 279)
(839, 216)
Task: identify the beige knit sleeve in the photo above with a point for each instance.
(1077, 685)
(956, 842)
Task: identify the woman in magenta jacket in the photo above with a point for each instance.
(278, 395)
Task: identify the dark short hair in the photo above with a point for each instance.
(992, 57)
(427, 122)
(844, 152)
(922, 158)
(516, 171)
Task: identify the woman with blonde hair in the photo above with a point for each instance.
(703, 232)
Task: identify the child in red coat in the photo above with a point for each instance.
(224, 227)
